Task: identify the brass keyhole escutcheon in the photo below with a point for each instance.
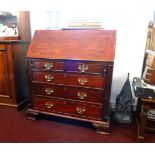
(49, 78)
(48, 65)
(83, 68)
(81, 95)
(49, 91)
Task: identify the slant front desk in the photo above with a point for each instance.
(70, 74)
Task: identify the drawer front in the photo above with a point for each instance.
(86, 80)
(48, 65)
(69, 79)
(49, 77)
(68, 108)
(85, 67)
(48, 90)
(86, 95)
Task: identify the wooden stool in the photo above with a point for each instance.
(144, 123)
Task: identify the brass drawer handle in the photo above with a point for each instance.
(49, 78)
(49, 91)
(81, 95)
(82, 81)
(48, 65)
(80, 110)
(49, 105)
(83, 68)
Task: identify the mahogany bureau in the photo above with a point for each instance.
(70, 74)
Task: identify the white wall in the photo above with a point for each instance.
(129, 18)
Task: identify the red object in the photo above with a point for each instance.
(70, 73)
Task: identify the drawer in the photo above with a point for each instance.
(48, 65)
(49, 90)
(86, 80)
(49, 77)
(86, 67)
(86, 95)
(69, 79)
(68, 108)
(74, 93)
(2, 47)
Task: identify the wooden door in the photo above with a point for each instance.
(4, 77)
(7, 88)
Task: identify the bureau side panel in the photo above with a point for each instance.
(20, 69)
(108, 81)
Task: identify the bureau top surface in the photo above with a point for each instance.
(92, 45)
